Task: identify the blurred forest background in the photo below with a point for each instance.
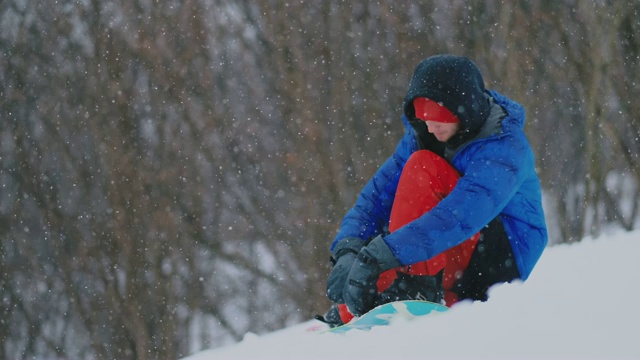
(172, 172)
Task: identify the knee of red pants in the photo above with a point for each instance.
(426, 179)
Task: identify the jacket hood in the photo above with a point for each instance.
(456, 83)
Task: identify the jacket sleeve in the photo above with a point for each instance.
(370, 214)
(493, 173)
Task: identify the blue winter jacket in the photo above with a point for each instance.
(498, 178)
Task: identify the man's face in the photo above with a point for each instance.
(442, 131)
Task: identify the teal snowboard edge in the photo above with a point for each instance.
(382, 315)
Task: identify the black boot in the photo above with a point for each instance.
(414, 287)
(332, 317)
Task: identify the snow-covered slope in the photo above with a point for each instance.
(581, 302)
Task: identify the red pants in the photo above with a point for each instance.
(425, 180)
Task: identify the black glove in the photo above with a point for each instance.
(360, 292)
(343, 256)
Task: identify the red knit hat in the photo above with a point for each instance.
(429, 110)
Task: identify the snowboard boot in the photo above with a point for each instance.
(414, 287)
(332, 317)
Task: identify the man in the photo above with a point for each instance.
(457, 207)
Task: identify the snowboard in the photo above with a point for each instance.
(384, 314)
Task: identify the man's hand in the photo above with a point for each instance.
(344, 254)
(360, 292)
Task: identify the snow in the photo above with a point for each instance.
(580, 302)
